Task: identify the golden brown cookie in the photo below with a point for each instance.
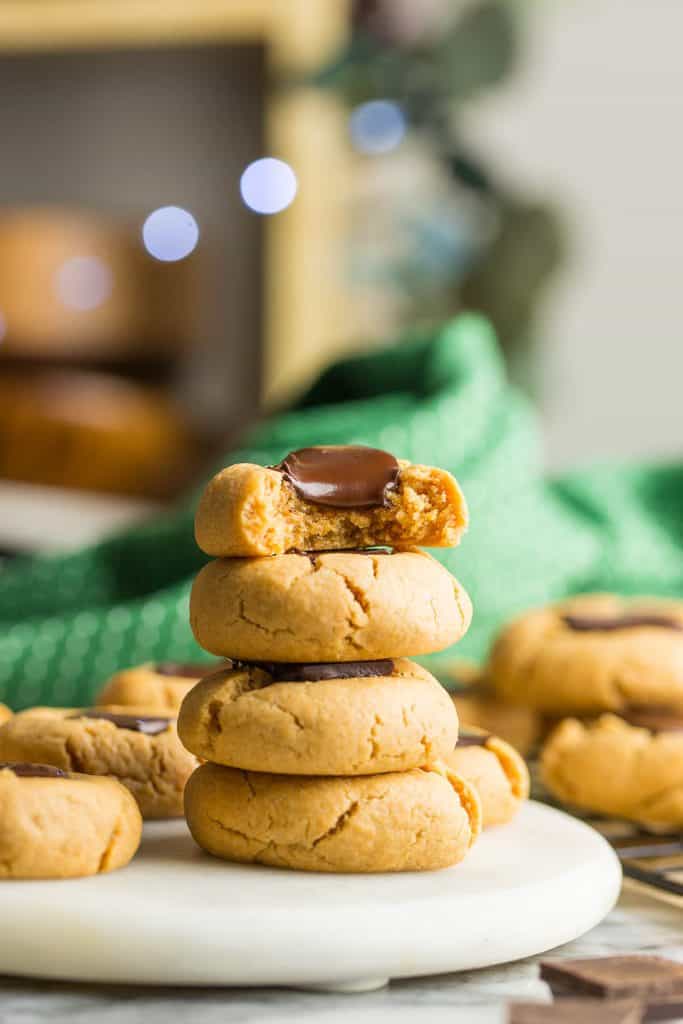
(592, 653)
(345, 606)
(136, 746)
(249, 510)
(157, 686)
(477, 705)
(56, 824)
(5, 714)
(418, 820)
(393, 717)
(613, 767)
(495, 769)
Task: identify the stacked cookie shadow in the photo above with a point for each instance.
(326, 748)
(602, 678)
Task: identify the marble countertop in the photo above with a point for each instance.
(638, 924)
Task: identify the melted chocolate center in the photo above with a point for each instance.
(342, 476)
(314, 672)
(182, 669)
(472, 739)
(26, 770)
(594, 623)
(151, 725)
(656, 719)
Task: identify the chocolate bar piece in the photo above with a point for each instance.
(576, 1011)
(655, 981)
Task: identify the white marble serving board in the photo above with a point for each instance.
(178, 917)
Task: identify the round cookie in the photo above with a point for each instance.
(56, 824)
(345, 606)
(157, 686)
(592, 653)
(495, 769)
(613, 767)
(140, 749)
(478, 706)
(327, 497)
(396, 719)
(418, 820)
(5, 714)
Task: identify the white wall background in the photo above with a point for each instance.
(594, 118)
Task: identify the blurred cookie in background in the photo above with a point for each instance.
(625, 767)
(477, 705)
(92, 431)
(156, 685)
(495, 769)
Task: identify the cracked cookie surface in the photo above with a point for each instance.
(342, 606)
(495, 769)
(249, 510)
(411, 821)
(543, 662)
(65, 827)
(612, 767)
(351, 726)
(154, 768)
(144, 686)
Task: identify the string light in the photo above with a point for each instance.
(268, 185)
(377, 126)
(83, 283)
(170, 233)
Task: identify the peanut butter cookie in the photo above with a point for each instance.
(418, 820)
(340, 496)
(345, 606)
(495, 769)
(348, 718)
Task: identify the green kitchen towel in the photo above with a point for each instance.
(67, 622)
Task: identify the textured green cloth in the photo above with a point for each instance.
(67, 622)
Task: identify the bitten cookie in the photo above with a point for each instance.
(410, 821)
(328, 719)
(55, 824)
(495, 769)
(478, 706)
(590, 654)
(156, 686)
(340, 496)
(613, 767)
(343, 606)
(5, 714)
(140, 749)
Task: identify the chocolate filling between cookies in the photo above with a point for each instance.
(472, 739)
(150, 725)
(342, 476)
(318, 671)
(29, 770)
(656, 719)
(609, 624)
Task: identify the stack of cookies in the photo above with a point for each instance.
(326, 749)
(606, 675)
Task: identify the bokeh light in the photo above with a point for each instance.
(83, 283)
(170, 233)
(377, 126)
(268, 185)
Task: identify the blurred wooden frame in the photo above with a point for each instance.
(304, 304)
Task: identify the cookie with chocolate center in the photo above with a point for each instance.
(138, 746)
(328, 497)
(590, 654)
(59, 824)
(348, 718)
